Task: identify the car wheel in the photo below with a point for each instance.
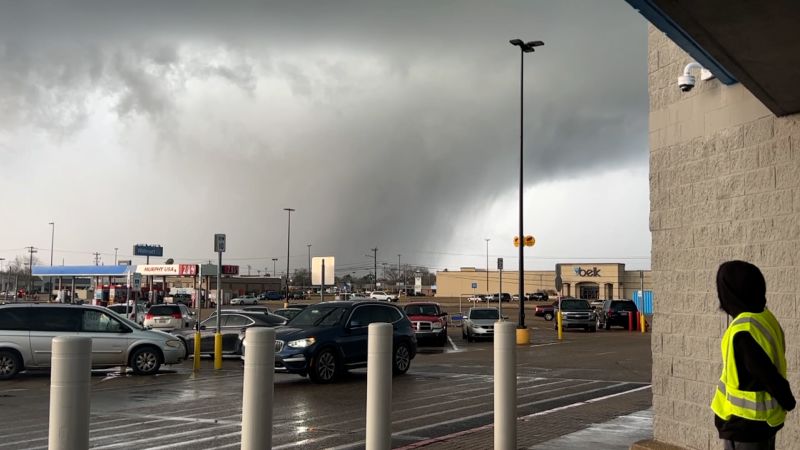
(10, 365)
(548, 316)
(402, 359)
(324, 367)
(443, 340)
(597, 323)
(145, 361)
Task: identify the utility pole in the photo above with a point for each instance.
(309, 266)
(115, 255)
(487, 265)
(96, 258)
(288, 246)
(31, 250)
(398, 275)
(375, 272)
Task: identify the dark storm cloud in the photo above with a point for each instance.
(410, 122)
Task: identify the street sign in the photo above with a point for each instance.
(124, 262)
(219, 243)
(499, 263)
(474, 285)
(137, 282)
(316, 270)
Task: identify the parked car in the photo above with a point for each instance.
(134, 313)
(546, 311)
(169, 317)
(273, 295)
(27, 331)
(615, 313)
(429, 322)
(479, 323)
(289, 313)
(577, 313)
(249, 299)
(538, 296)
(381, 295)
(352, 297)
(327, 339)
(232, 323)
(477, 298)
(496, 297)
(297, 295)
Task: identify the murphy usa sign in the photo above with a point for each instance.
(581, 272)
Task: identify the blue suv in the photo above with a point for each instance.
(327, 339)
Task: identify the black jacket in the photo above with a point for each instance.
(741, 288)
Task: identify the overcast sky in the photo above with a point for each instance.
(384, 124)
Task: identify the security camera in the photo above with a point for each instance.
(686, 82)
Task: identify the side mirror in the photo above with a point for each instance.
(354, 324)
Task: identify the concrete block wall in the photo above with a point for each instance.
(724, 184)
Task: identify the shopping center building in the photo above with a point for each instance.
(592, 281)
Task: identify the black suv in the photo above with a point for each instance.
(615, 313)
(327, 339)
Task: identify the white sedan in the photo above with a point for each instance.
(380, 295)
(246, 300)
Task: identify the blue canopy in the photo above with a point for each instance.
(82, 271)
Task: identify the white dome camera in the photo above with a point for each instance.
(687, 81)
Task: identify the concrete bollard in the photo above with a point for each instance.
(69, 393)
(257, 396)
(379, 386)
(505, 387)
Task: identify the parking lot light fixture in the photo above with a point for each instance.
(524, 47)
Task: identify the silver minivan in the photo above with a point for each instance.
(27, 332)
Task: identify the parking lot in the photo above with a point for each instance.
(445, 400)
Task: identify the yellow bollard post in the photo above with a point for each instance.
(218, 350)
(643, 323)
(560, 325)
(197, 339)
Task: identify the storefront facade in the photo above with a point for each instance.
(591, 281)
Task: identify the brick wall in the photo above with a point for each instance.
(724, 184)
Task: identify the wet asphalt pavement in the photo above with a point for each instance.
(446, 391)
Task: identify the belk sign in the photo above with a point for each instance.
(593, 272)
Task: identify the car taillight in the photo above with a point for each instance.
(148, 316)
(176, 315)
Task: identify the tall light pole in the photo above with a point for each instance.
(52, 239)
(311, 285)
(4, 282)
(398, 275)
(487, 265)
(524, 47)
(375, 261)
(288, 244)
(115, 255)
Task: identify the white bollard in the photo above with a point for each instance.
(505, 386)
(257, 398)
(379, 386)
(69, 393)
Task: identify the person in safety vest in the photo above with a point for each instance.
(752, 395)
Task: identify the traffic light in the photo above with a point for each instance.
(516, 241)
(529, 241)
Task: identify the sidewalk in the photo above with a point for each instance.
(615, 434)
(614, 423)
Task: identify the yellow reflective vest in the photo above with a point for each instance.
(729, 400)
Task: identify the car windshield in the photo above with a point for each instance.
(484, 314)
(624, 306)
(574, 305)
(422, 310)
(163, 310)
(318, 316)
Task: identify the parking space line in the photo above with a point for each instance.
(191, 442)
(130, 444)
(478, 415)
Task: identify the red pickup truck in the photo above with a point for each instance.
(428, 321)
